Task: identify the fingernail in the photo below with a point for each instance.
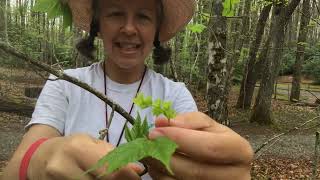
(155, 133)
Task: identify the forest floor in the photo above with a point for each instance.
(291, 157)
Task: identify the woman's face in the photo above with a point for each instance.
(127, 28)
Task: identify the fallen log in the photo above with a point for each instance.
(32, 92)
(19, 105)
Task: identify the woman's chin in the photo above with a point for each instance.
(129, 65)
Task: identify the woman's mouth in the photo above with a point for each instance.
(128, 48)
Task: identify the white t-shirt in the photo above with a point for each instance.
(71, 109)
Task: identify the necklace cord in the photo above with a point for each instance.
(106, 106)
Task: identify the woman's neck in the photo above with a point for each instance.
(121, 75)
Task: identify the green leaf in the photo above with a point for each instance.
(170, 114)
(143, 102)
(139, 129)
(67, 17)
(168, 111)
(145, 127)
(229, 7)
(205, 16)
(167, 105)
(138, 100)
(44, 5)
(128, 134)
(54, 9)
(161, 148)
(156, 107)
(196, 28)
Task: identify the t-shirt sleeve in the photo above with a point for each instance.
(51, 106)
(184, 101)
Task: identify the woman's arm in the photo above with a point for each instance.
(34, 133)
(64, 157)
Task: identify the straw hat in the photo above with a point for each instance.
(177, 13)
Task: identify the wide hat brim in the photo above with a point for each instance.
(177, 14)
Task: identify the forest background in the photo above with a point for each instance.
(253, 65)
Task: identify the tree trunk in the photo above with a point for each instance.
(241, 37)
(249, 77)
(3, 21)
(8, 10)
(262, 109)
(217, 66)
(305, 18)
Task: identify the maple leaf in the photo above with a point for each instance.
(161, 149)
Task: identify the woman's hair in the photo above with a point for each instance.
(161, 55)
(86, 46)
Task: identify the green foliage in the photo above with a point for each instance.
(140, 129)
(205, 16)
(196, 28)
(229, 7)
(158, 106)
(143, 102)
(302, 43)
(55, 8)
(161, 148)
(312, 69)
(313, 23)
(287, 62)
(139, 146)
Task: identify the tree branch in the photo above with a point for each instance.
(312, 94)
(61, 75)
(290, 8)
(284, 133)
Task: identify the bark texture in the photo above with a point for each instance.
(303, 32)
(18, 105)
(217, 66)
(281, 15)
(3, 21)
(251, 68)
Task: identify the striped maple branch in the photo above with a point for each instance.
(62, 76)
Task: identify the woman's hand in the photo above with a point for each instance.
(206, 150)
(69, 157)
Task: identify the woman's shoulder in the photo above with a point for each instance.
(166, 88)
(84, 72)
(176, 92)
(157, 78)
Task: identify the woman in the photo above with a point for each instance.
(71, 118)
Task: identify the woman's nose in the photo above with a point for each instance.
(129, 27)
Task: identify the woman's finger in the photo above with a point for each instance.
(55, 170)
(193, 120)
(86, 151)
(223, 148)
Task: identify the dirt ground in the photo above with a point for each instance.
(291, 157)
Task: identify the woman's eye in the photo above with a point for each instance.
(143, 16)
(115, 14)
